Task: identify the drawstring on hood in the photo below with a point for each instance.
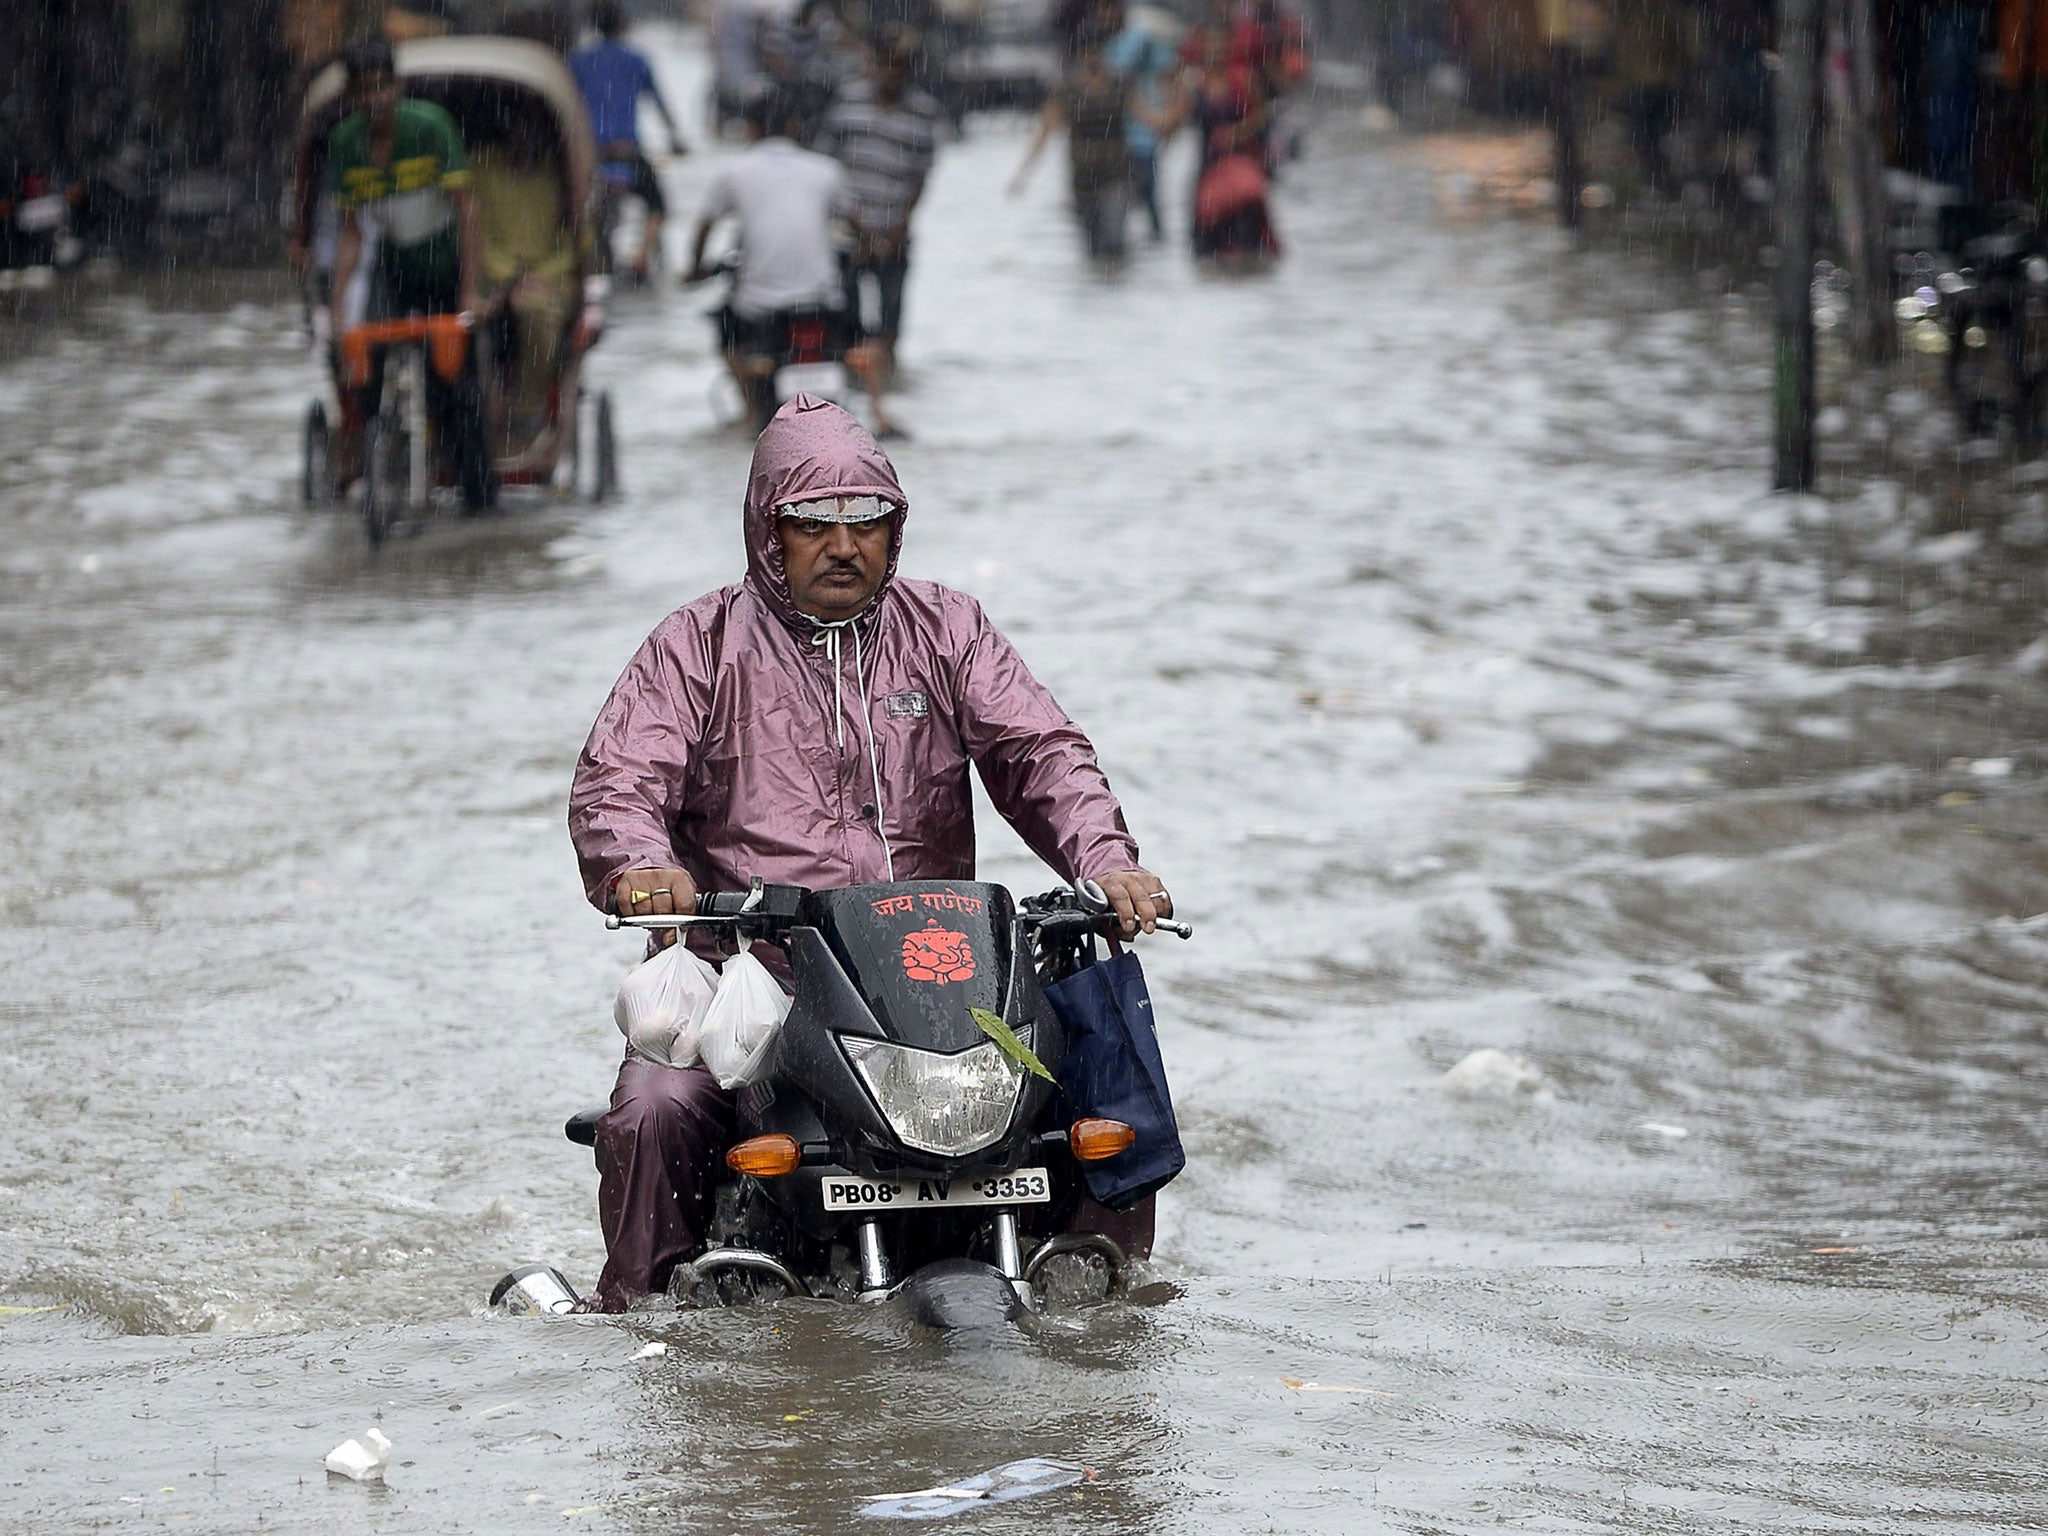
(827, 636)
(814, 449)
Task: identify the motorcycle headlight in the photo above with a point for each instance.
(948, 1105)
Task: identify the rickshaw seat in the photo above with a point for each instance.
(447, 340)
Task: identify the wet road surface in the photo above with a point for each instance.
(1457, 677)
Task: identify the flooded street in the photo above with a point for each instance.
(1459, 677)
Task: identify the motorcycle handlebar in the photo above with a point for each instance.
(772, 906)
(1100, 922)
(760, 905)
(1050, 922)
(666, 920)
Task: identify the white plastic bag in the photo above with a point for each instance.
(662, 1003)
(743, 1021)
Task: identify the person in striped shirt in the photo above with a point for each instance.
(885, 132)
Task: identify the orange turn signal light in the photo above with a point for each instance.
(765, 1157)
(1093, 1140)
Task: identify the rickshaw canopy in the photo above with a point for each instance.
(460, 74)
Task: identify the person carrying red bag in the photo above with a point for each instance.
(1226, 101)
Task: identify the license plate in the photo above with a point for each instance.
(810, 379)
(1027, 1186)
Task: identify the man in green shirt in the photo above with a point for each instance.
(402, 162)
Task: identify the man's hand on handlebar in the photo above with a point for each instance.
(655, 892)
(1138, 898)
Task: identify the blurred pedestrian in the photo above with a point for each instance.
(736, 72)
(801, 54)
(1224, 101)
(1652, 52)
(1578, 35)
(885, 132)
(1271, 39)
(613, 76)
(1735, 101)
(1094, 105)
(1147, 64)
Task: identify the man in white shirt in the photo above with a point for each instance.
(788, 201)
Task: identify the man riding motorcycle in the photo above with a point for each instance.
(788, 202)
(813, 725)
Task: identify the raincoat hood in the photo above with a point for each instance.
(811, 449)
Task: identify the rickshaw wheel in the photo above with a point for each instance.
(604, 484)
(387, 463)
(316, 479)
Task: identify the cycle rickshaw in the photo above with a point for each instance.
(524, 128)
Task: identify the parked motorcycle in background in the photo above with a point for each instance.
(37, 238)
(1994, 307)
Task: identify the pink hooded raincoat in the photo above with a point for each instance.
(746, 739)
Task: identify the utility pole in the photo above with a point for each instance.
(1795, 174)
(1874, 332)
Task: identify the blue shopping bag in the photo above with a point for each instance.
(1112, 1069)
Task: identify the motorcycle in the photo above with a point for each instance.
(37, 212)
(803, 350)
(899, 1142)
(1995, 305)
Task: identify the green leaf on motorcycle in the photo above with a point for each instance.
(1007, 1042)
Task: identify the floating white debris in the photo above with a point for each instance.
(1991, 768)
(998, 1485)
(652, 1350)
(1659, 1128)
(1295, 1383)
(359, 1462)
(1491, 1074)
(1947, 549)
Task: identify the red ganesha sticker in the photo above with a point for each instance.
(937, 954)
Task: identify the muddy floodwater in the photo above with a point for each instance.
(1459, 678)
